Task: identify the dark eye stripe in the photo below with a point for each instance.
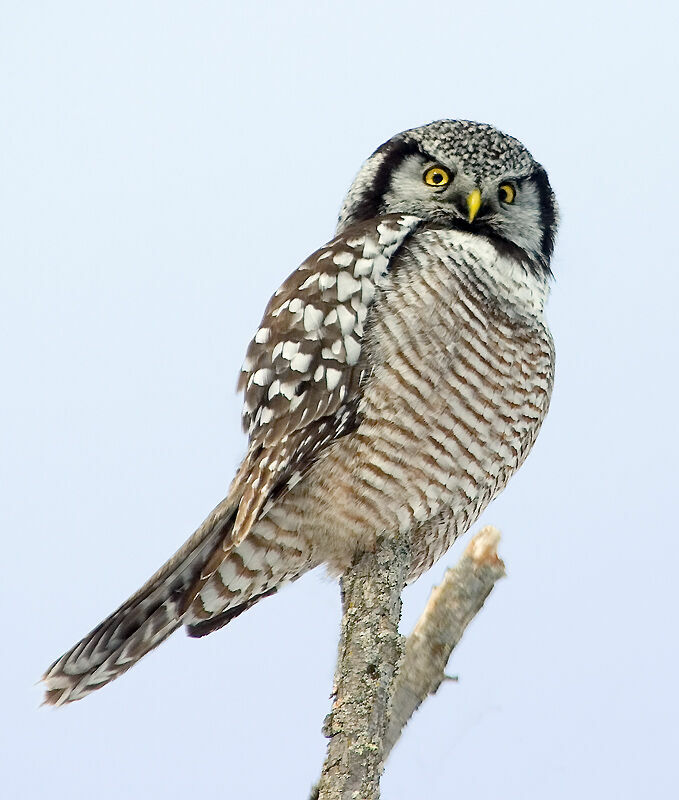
(547, 211)
(396, 151)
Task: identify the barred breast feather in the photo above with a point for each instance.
(457, 367)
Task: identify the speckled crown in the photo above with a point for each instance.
(480, 148)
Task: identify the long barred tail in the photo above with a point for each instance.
(141, 623)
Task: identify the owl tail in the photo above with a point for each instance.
(141, 623)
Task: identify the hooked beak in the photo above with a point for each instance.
(473, 204)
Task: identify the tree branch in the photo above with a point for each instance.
(451, 607)
(369, 651)
(363, 725)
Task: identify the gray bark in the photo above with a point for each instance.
(369, 652)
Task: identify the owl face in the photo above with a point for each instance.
(463, 175)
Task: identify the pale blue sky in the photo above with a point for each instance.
(163, 167)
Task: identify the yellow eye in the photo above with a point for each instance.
(436, 176)
(507, 193)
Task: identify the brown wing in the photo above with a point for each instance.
(303, 369)
(305, 365)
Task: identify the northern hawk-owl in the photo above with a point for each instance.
(398, 378)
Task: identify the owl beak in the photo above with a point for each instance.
(473, 204)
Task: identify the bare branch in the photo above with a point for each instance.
(369, 651)
(451, 607)
(363, 725)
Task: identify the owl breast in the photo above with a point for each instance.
(461, 368)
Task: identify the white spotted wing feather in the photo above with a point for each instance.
(304, 367)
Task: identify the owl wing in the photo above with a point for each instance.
(304, 368)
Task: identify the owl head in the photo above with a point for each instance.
(463, 175)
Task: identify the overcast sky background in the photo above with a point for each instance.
(164, 165)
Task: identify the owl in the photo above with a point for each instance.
(397, 380)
